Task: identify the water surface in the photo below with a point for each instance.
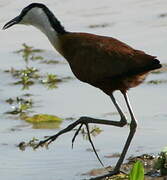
(135, 22)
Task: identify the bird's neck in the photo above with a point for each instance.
(49, 25)
(52, 35)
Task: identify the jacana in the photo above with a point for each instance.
(103, 62)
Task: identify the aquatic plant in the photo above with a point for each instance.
(161, 162)
(28, 53)
(51, 81)
(38, 118)
(20, 105)
(137, 171)
(32, 143)
(155, 82)
(43, 121)
(29, 75)
(26, 76)
(94, 131)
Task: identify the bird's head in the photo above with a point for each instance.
(38, 15)
(30, 15)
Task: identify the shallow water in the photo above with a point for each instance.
(135, 22)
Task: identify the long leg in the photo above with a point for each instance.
(122, 122)
(133, 126)
(87, 120)
(90, 140)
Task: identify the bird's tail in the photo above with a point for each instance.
(155, 64)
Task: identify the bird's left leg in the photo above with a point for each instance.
(81, 121)
(133, 126)
(85, 121)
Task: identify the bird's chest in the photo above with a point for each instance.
(79, 63)
(81, 69)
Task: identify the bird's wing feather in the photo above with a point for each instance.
(94, 58)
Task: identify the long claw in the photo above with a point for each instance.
(91, 142)
(48, 141)
(75, 135)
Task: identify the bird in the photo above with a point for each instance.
(101, 61)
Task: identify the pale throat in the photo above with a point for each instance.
(39, 19)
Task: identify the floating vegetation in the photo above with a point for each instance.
(28, 71)
(51, 81)
(31, 72)
(19, 105)
(94, 131)
(26, 76)
(155, 82)
(47, 125)
(29, 53)
(37, 118)
(22, 106)
(43, 121)
(32, 143)
(25, 81)
(30, 75)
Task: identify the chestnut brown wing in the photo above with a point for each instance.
(93, 58)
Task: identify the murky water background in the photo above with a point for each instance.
(137, 22)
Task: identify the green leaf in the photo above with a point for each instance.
(43, 118)
(137, 172)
